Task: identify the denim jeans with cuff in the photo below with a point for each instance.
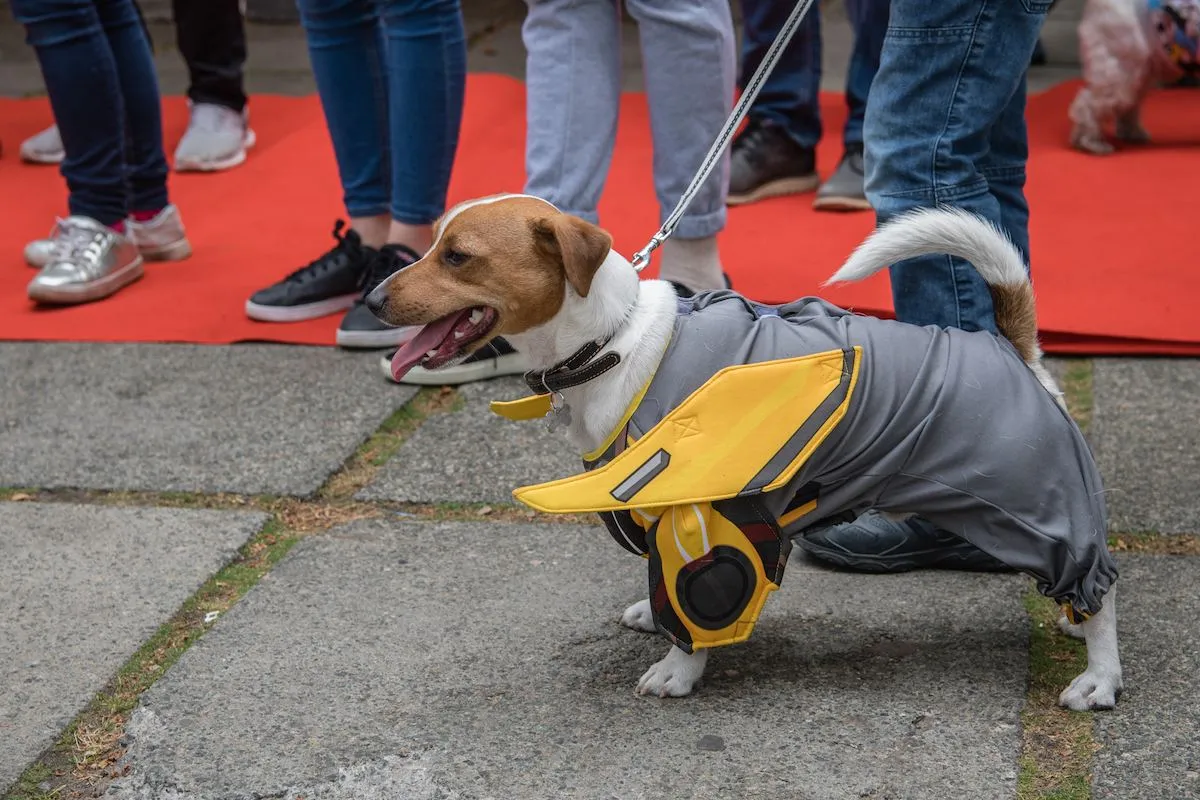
(945, 125)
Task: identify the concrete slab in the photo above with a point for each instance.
(249, 418)
(424, 660)
(1150, 744)
(81, 587)
(1147, 441)
(474, 455)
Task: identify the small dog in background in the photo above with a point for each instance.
(1127, 47)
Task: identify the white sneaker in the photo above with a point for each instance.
(217, 138)
(43, 148)
(159, 239)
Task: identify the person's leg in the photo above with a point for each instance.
(776, 152)
(426, 57)
(153, 222)
(958, 140)
(844, 191)
(80, 73)
(573, 94)
(211, 36)
(930, 147)
(426, 62)
(89, 257)
(690, 69)
(345, 46)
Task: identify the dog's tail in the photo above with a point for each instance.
(960, 233)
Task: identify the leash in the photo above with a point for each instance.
(642, 257)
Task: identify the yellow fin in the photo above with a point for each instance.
(747, 430)
(533, 407)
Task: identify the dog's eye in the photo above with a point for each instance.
(454, 258)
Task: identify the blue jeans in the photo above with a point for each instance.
(99, 73)
(391, 75)
(790, 95)
(946, 126)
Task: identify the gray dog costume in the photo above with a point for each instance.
(943, 423)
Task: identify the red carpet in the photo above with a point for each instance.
(1114, 268)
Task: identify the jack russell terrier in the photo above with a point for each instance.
(714, 428)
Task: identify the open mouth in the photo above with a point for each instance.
(444, 341)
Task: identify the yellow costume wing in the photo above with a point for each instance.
(748, 429)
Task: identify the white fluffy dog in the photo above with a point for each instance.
(1127, 47)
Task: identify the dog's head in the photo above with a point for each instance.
(498, 265)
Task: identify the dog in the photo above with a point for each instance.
(969, 430)
(1127, 47)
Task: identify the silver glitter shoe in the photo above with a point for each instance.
(159, 239)
(90, 261)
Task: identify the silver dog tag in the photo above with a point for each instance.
(560, 413)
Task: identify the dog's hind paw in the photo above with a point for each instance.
(639, 617)
(674, 676)
(1092, 691)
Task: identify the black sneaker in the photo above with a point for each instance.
(329, 284)
(765, 162)
(875, 543)
(360, 329)
(495, 359)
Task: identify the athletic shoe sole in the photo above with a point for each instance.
(87, 292)
(374, 340)
(501, 366)
(841, 203)
(777, 188)
(225, 163)
(300, 313)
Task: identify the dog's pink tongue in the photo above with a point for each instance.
(428, 338)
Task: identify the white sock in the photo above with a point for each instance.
(695, 263)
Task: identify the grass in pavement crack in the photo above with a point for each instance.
(87, 754)
(1057, 744)
(1077, 390)
(372, 454)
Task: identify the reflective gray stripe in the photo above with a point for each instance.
(805, 433)
(641, 476)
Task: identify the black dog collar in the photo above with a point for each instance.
(574, 370)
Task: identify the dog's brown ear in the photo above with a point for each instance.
(579, 245)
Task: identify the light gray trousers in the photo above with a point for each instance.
(573, 80)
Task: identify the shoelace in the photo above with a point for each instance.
(390, 259)
(346, 243)
(73, 243)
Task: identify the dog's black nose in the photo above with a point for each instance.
(376, 302)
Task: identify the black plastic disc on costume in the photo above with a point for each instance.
(716, 592)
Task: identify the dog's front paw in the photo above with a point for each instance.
(639, 617)
(1094, 690)
(674, 676)
(1094, 145)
